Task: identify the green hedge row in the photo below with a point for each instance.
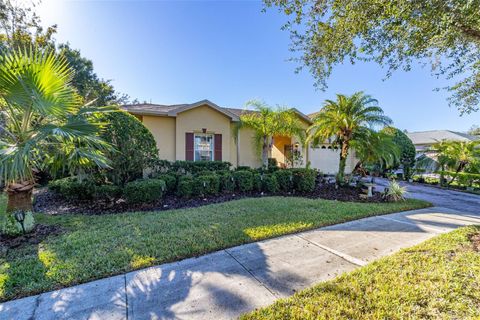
(201, 184)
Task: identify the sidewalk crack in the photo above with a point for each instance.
(126, 296)
(342, 255)
(253, 275)
(37, 303)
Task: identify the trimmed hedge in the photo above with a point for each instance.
(108, 191)
(170, 182)
(270, 183)
(243, 180)
(464, 178)
(304, 179)
(195, 167)
(185, 187)
(144, 190)
(227, 182)
(284, 179)
(72, 188)
(206, 184)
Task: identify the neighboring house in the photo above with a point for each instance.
(423, 140)
(205, 131)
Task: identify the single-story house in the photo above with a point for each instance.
(205, 131)
(423, 140)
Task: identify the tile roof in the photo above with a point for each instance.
(433, 136)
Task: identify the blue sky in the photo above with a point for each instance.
(229, 52)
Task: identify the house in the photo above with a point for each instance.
(205, 131)
(423, 140)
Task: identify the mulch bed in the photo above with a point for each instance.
(37, 235)
(49, 202)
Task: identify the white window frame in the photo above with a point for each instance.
(212, 150)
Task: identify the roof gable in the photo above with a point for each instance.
(224, 111)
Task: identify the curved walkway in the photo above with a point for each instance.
(227, 283)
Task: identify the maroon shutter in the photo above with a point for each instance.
(217, 142)
(189, 146)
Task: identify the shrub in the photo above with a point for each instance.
(284, 179)
(227, 183)
(206, 184)
(141, 191)
(108, 192)
(170, 181)
(272, 164)
(195, 167)
(270, 183)
(258, 182)
(395, 192)
(10, 226)
(135, 147)
(185, 187)
(407, 151)
(73, 189)
(304, 180)
(243, 168)
(243, 180)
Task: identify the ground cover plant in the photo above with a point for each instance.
(438, 279)
(91, 247)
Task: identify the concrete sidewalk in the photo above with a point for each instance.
(227, 283)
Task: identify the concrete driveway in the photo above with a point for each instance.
(456, 200)
(227, 283)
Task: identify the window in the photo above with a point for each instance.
(203, 147)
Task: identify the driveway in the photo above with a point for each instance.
(456, 200)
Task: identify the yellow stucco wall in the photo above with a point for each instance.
(194, 120)
(249, 155)
(163, 130)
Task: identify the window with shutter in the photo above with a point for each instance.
(218, 147)
(189, 146)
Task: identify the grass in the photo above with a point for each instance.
(438, 279)
(99, 246)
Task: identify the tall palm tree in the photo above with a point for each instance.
(378, 150)
(348, 119)
(45, 125)
(267, 123)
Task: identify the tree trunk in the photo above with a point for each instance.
(342, 164)
(459, 168)
(265, 152)
(20, 196)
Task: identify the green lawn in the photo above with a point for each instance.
(438, 279)
(98, 246)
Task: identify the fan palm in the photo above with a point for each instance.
(45, 125)
(344, 121)
(267, 123)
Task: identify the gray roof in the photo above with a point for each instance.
(174, 109)
(150, 109)
(434, 136)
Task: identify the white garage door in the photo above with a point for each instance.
(326, 159)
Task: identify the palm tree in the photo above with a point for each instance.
(267, 123)
(45, 125)
(456, 155)
(346, 120)
(378, 150)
